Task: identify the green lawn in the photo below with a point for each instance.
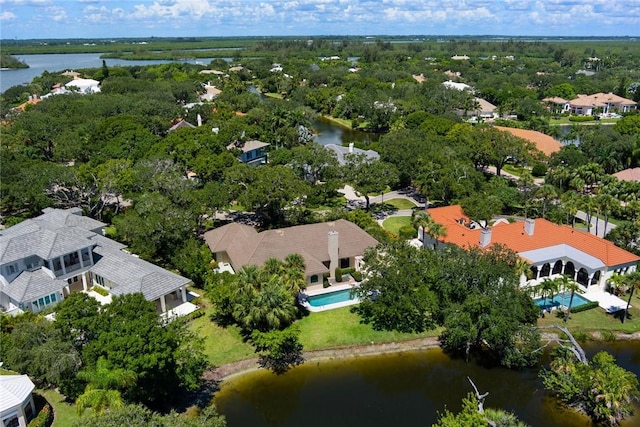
(65, 414)
(513, 170)
(394, 223)
(565, 121)
(400, 204)
(340, 327)
(222, 345)
(599, 320)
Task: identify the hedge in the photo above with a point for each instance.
(408, 232)
(580, 118)
(100, 290)
(43, 419)
(585, 307)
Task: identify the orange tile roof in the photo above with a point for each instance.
(546, 234)
(543, 142)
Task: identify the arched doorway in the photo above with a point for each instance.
(557, 267)
(596, 278)
(534, 272)
(545, 270)
(570, 269)
(583, 277)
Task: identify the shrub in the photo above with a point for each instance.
(100, 290)
(408, 232)
(539, 169)
(588, 306)
(43, 419)
(196, 314)
(357, 276)
(581, 118)
(608, 336)
(338, 274)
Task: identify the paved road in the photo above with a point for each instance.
(600, 224)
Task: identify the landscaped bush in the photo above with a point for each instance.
(100, 290)
(588, 306)
(580, 118)
(43, 419)
(196, 314)
(408, 232)
(338, 274)
(357, 276)
(539, 169)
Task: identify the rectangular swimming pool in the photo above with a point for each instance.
(329, 298)
(561, 299)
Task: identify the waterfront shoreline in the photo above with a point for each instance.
(235, 369)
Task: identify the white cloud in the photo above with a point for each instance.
(7, 15)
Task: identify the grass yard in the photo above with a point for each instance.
(341, 328)
(65, 413)
(400, 204)
(222, 345)
(394, 223)
(599, 320)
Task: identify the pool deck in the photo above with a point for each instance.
(609, 302)
(319, 291)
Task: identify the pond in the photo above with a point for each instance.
(404, 389)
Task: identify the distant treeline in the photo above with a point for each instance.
(236, 47)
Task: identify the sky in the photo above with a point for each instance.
(27, 19)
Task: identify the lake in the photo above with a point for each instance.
(404, 389)
(38, 64)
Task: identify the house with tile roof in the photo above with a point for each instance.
(588, 105)
(631, 174)
(45, 259)
(548, 248)
(555, 104)
(16, 401)
(543, 143)
(324, 246)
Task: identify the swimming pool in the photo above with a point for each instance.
(561, 299)
(329, 298)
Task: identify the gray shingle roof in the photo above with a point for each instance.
(245, 246)
(131, 274)
(31, 285)
(59, 232)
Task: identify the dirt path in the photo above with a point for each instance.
(229, 370)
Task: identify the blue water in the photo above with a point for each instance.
(330, 298)
(561, 299)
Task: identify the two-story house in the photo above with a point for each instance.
(44, 259)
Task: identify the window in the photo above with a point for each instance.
(11, 268)
(28, 411)
(53, 297)
(56, 264)
(344, 262)
(47, 300)
(314, 278)
(11, 421)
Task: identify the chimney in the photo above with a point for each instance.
(332, 239)
(351, 147)
(529, 226)
(485, 237)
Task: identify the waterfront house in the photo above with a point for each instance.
(590, 105)
(324, 246)
(547, 247)
(45, 259)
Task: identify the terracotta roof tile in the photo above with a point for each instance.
(546, 234)
(543, 142)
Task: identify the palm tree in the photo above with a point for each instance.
(102, 391)
(272, 266)
(546, 192)
(548, 288)
(606, 203)
(633, 280)
(566, 284)
(295, 260)
(617, 282)
(588, 204)
(271, 308)
(570, 202)
(422, 219)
